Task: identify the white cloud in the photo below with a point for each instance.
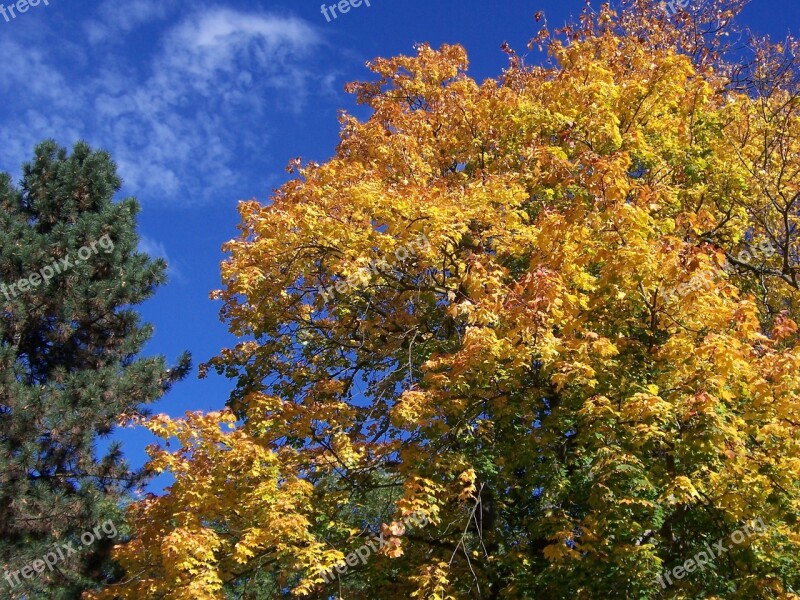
(179, 120)
(156, 249)
(152, 247)
(202, 82)
(115, 18)
(231, 45)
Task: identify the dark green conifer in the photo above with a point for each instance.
(70, 277)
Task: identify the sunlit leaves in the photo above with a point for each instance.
(572, 382)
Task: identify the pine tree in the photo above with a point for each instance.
(70, 274)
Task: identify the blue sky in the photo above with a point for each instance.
(204, 104)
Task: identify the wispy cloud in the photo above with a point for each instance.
(178, 118)
(156, 249)
(116, 18)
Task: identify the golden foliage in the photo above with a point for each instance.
(580, 352)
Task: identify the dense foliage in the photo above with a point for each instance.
(69, 372)
(587, 375)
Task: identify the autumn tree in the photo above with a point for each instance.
(70, 370)
(586, 377)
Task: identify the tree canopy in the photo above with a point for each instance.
(586, 376)
(70, 369)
